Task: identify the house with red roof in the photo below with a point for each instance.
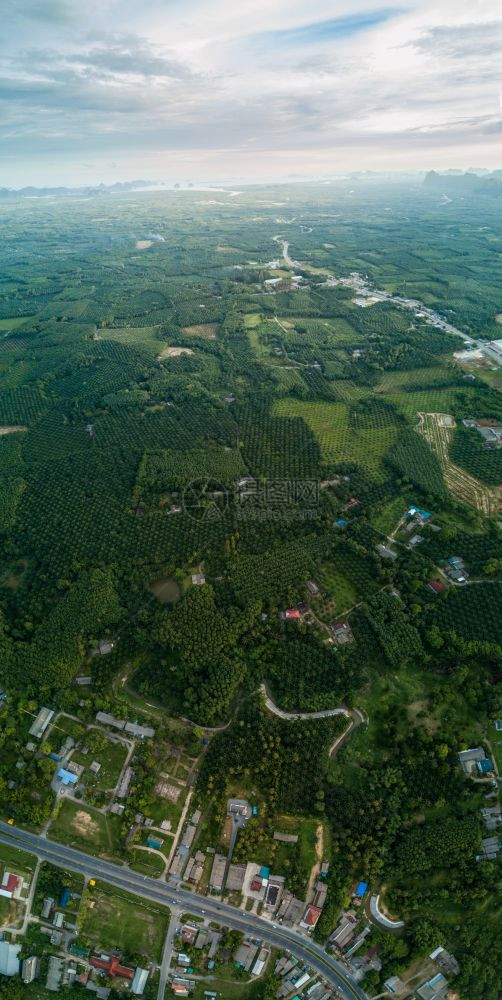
(9, 885)
(291, 614)
(110, 965)
(310, 917)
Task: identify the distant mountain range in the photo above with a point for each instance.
(452, 183)
(96, 189)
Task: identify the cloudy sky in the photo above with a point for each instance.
(103, 90)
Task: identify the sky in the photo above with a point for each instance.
(246, 90)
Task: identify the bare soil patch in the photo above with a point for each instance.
(167, 791)
(226, 832)
(319, 851)
(12, 429)
(143, 244)
(84, 824)
(174, 352)
(206, 330)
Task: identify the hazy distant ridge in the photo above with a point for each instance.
(465, 183)
(36, 192)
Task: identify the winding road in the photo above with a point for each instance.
(354, 714)
(207, 907)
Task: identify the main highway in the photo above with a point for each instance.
(206, 907)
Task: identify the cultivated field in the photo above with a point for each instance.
(438, 429)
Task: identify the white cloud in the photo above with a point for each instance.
(405, 84)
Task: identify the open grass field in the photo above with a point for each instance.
(227, 989)
(338, 441)
(12, 322)
(413, 698)
(339, 593)
(16, 860)
(430, 400)
(387, 518)
(147, 863)
(208, 331)
(81, 826)
(115, 920)
(251, 320)
(148, 337)
(392, 382)
(261, 349)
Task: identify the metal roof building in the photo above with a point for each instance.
(9, 962)
(66, 777)
(139, 982)
(41, 722)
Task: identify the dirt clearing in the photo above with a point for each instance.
(12, 429)
(206, 330)
(84, 824)
(174, 352)
(319, 852)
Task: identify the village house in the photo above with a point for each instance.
(39, 726)
(385, 552)
(310, 917)
(9, 885)
(235, 878)
(246, 954)
(217, 872)
(469, 759)
(341, 632)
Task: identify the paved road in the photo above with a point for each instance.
(167, 952)
(326, 713)
(212, 909)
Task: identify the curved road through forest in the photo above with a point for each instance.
(354, 714)
(158, 892)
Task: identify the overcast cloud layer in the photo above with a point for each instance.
(246, 89)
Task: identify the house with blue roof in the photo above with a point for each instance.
(66, 777)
